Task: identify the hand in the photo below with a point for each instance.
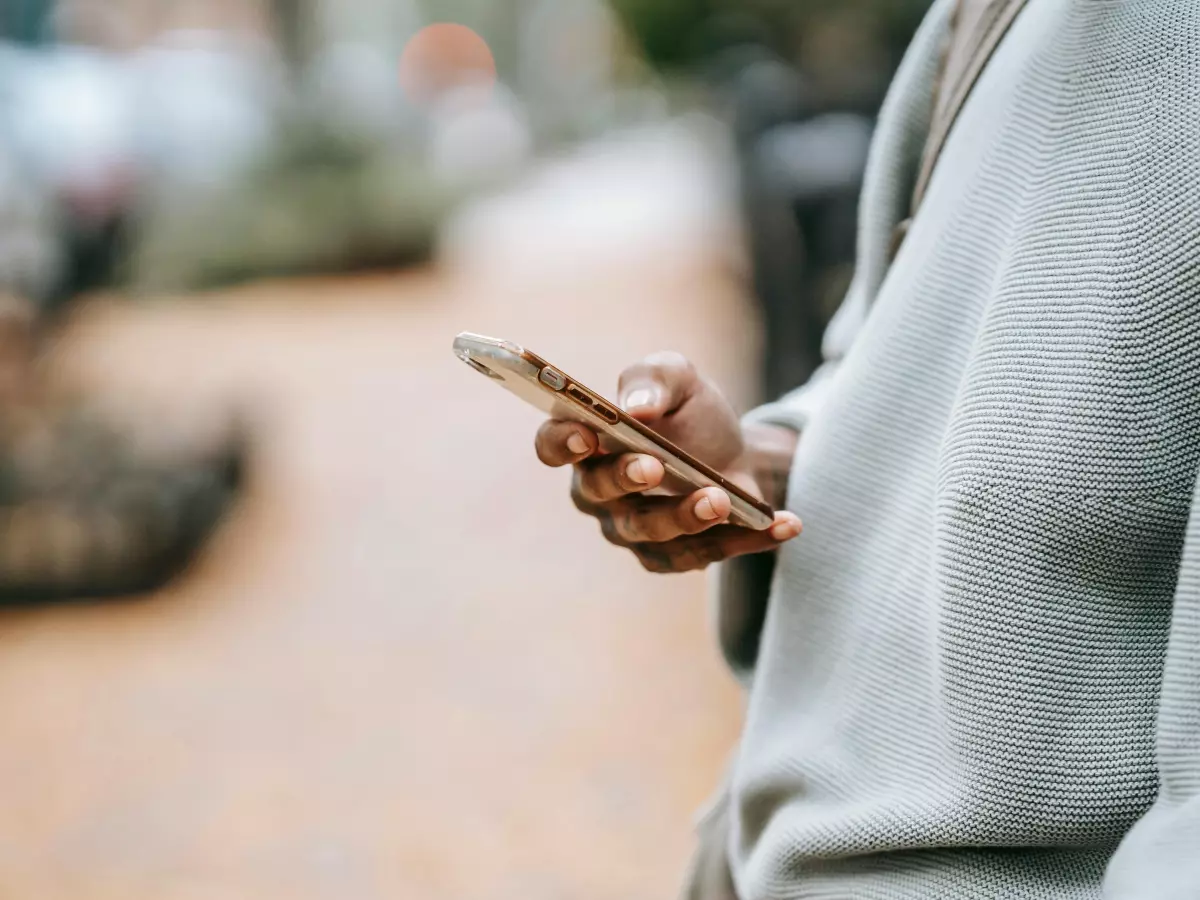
(676, 533)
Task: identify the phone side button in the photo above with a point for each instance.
(553, 379)
(607, 413)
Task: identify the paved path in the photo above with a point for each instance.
(406, 669)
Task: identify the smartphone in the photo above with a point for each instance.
(554, 392)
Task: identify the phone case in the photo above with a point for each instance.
(561, 397)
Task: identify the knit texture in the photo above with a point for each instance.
(980, 667)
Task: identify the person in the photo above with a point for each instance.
(978, 673)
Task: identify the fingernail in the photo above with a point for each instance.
(636, 472)
(704, 510)
(785, 531)
(641, 398)
(577, 444)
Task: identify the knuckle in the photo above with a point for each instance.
(630, 530)
(658, 529)
(621, 528)
(653, 561)
(651, 564)
(696, 555)
(686, 560)
(608, 528)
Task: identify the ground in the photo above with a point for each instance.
(406, 668)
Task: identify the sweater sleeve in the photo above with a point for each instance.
(1160, 857)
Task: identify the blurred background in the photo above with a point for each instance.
(289, 608)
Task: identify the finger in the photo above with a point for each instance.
(666, 392)
(563, 443)
(656, 520)
(608, 527)
(657, 386)
(687, 554)
(603, 480)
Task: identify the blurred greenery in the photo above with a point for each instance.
(323, 200)
(677, 33)
(319, 202)
(667, 30)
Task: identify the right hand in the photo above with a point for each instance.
(679, 532)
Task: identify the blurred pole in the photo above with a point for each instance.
(292, 26)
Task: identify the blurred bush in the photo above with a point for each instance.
(197, 154)
(317, 201)
(836, 43)
(86, 512)
(168, 154)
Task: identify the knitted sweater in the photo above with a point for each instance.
(979, 675)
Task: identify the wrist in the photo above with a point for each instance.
(768, 457)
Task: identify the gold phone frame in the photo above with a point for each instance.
(560, 396)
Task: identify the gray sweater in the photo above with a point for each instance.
(979, 677)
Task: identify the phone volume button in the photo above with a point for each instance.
(608, 414)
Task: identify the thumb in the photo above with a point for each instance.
(657, 386)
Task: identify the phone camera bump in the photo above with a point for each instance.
(465, 356)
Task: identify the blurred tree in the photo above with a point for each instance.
(681, 33)
(292, 30)
(668, 30)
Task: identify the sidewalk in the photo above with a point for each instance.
(407, 669)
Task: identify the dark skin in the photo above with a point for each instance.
(679, 532)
